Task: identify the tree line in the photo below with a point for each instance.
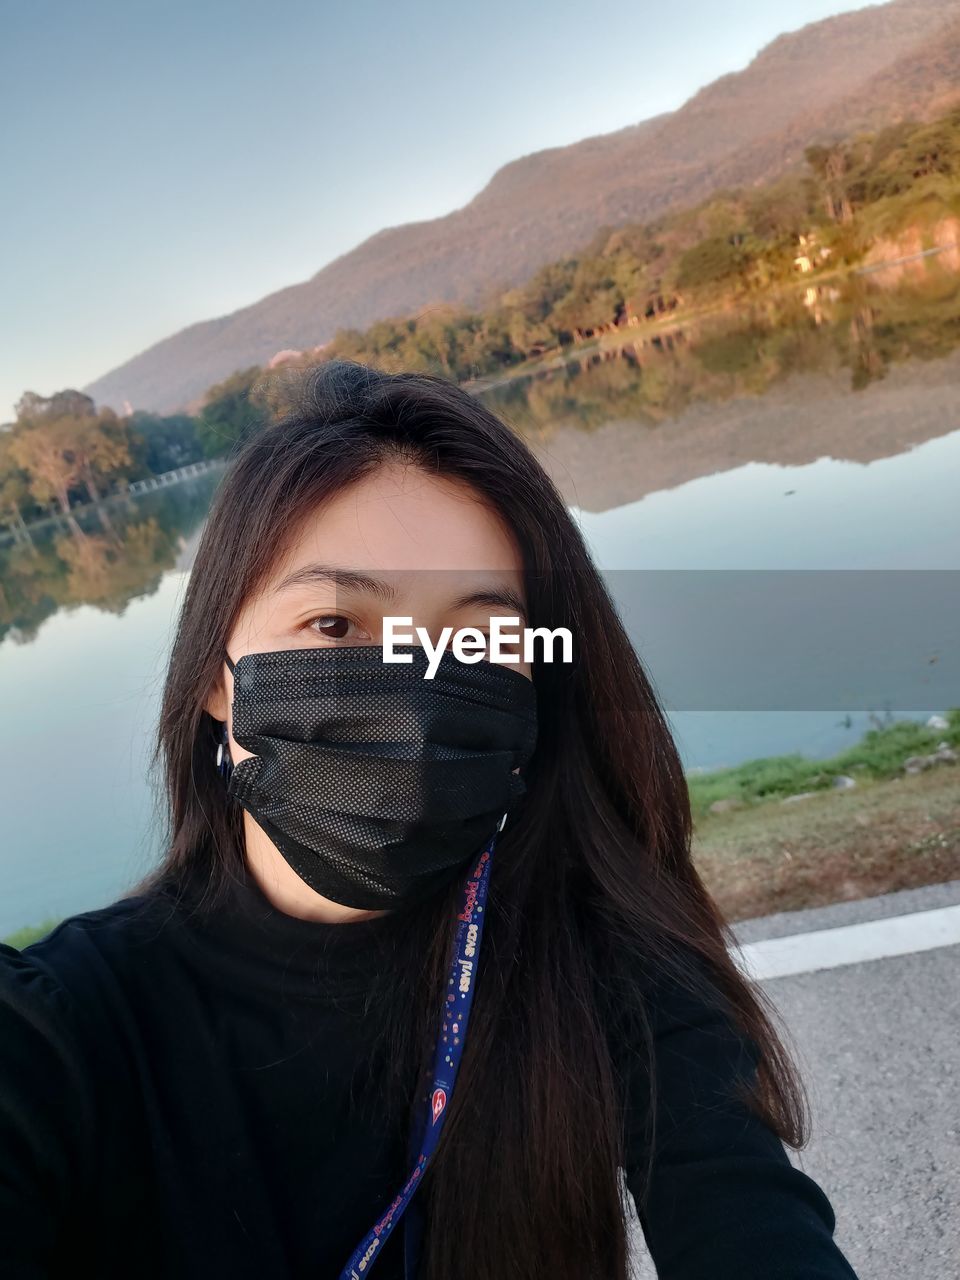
(61, 450)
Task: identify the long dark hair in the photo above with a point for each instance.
(593, 888)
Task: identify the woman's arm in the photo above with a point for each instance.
(724, 1201)
(45, 1119)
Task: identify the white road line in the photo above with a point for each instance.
(850, 944)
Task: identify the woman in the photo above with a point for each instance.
(243, 1068)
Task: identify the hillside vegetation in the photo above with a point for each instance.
(739, 245)
(864, 69)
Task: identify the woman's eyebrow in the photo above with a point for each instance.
(497, 597)
(312, 573)
(494, 596)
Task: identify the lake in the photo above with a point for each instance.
(784, 556)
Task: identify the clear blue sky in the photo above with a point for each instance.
(165, 162)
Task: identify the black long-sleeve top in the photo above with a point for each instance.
(178, 1099)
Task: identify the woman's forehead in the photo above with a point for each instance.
(401, 518)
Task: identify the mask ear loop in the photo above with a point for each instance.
(224, 763)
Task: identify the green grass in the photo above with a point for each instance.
(878, 755)
(31, 933)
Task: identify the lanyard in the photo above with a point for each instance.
(447, 1054)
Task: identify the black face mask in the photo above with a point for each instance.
(377, 785)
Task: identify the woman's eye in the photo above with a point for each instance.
(510, 649)
(332, 626)
(510, 654)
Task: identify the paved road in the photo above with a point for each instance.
(879, 1046)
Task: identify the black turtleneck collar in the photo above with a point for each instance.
(249, 940)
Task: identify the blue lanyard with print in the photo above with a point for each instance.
(447, 1055)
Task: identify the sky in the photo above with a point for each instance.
(165, 161)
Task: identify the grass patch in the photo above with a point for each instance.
(31, 933)
(879, 755)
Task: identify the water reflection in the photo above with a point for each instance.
(104, 555)
(787, 381)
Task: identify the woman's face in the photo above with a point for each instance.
(401, 542)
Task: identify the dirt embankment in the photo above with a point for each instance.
(834, 846)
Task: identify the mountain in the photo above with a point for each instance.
(922, 83)
(864, 67)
